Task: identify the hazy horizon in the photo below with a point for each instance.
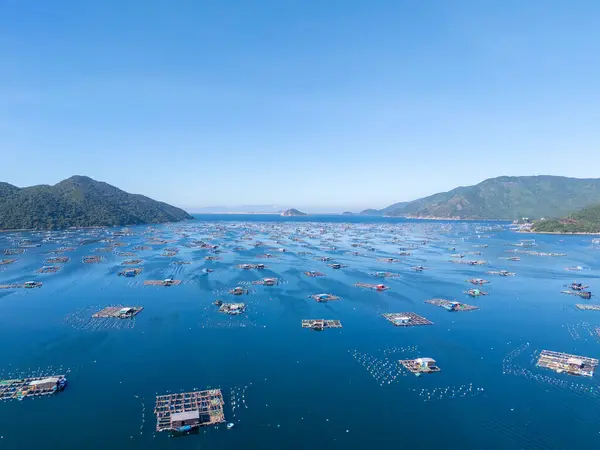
(310, 104)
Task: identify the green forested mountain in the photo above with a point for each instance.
(585, 221)
(79, 201)
(506, 198)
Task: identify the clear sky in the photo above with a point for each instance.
(313, 104)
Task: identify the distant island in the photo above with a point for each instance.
(347, 213)
(586, 221)
(79, 201)
(502, 198)
(292, 212)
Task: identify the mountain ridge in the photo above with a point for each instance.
(79, 201)
(504, 198)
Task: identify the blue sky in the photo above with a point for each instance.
(312, 104)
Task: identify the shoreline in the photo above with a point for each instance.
(581, 233)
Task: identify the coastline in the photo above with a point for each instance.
(560, 233)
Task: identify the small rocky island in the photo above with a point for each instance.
(292, 212)
(347, 213)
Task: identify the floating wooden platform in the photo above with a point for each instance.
(232, 309)
(582, 294)
(26, 285)
(118, 312)
(167, 282)
(477, 281)
(6, 261)
(475, 293)
(238, 291)
(314, 273)
(420, 365)
(323, 298)
(376, 287)
(14, 251)
(564, 362)
(92, 259)
(131, 262)
(181, 263)
(451, 305)
(406, 319)
(132, 272)
(468, 262)
(48, 269)
(267, 282)
(502, 273)
(388, 260)
(588, 307)
(320, 324)
(384, 274)
(58, 259)
(206, 408)
(31, 387)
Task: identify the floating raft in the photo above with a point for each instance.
(251, 266)
(58, 259)
(181, 263)
(95, 259)
(168, 254)
(14, 251)
(26, 285)
(384, 274)
(133, 272)
(451, 305)
(232, 309)
(420, 365)
(314, 273)
(320, 324)
(418, 268)
(337, 266)
(502, 273)
(376, 287)
(468, 262)
(31, 387)
(238, 291)
(6, 261)
(323, 258)
(477, 281)
(167, 282)
(588, 307)
(582, 294)
(182, 412)
(564, 362)
(48, 269)
(577, 286)
(475, 293)
(406, 319)
(323, 298)
(388, 260)
(118, 312)
(267, 281)
(142, 247)
(131, 262)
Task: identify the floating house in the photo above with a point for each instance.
(376, 287)
(238, 291)
(323, 298)
(232, 309)
(475, 293)
(32, 387)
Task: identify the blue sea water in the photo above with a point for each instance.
(288, 387)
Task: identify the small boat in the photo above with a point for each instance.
(230, 425)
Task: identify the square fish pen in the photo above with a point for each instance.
(182, 412)
(564, 362)
(588, 307)
(320, 324)
(451, 305)
(31, 387)
(118, 312)
(406, 319)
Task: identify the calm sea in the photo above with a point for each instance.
(290, 388)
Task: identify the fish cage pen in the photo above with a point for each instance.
(187, 410)
(131, 262)
(564, 362)
(420, 365)
(118, 312)
(451, 305)
(59, 259)
(6, 261)
(26, 285)
(31, 387)
(406, 319)
(167, 282)
(320, 324)
(48, 269)
(133, 272)
(587, 307)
